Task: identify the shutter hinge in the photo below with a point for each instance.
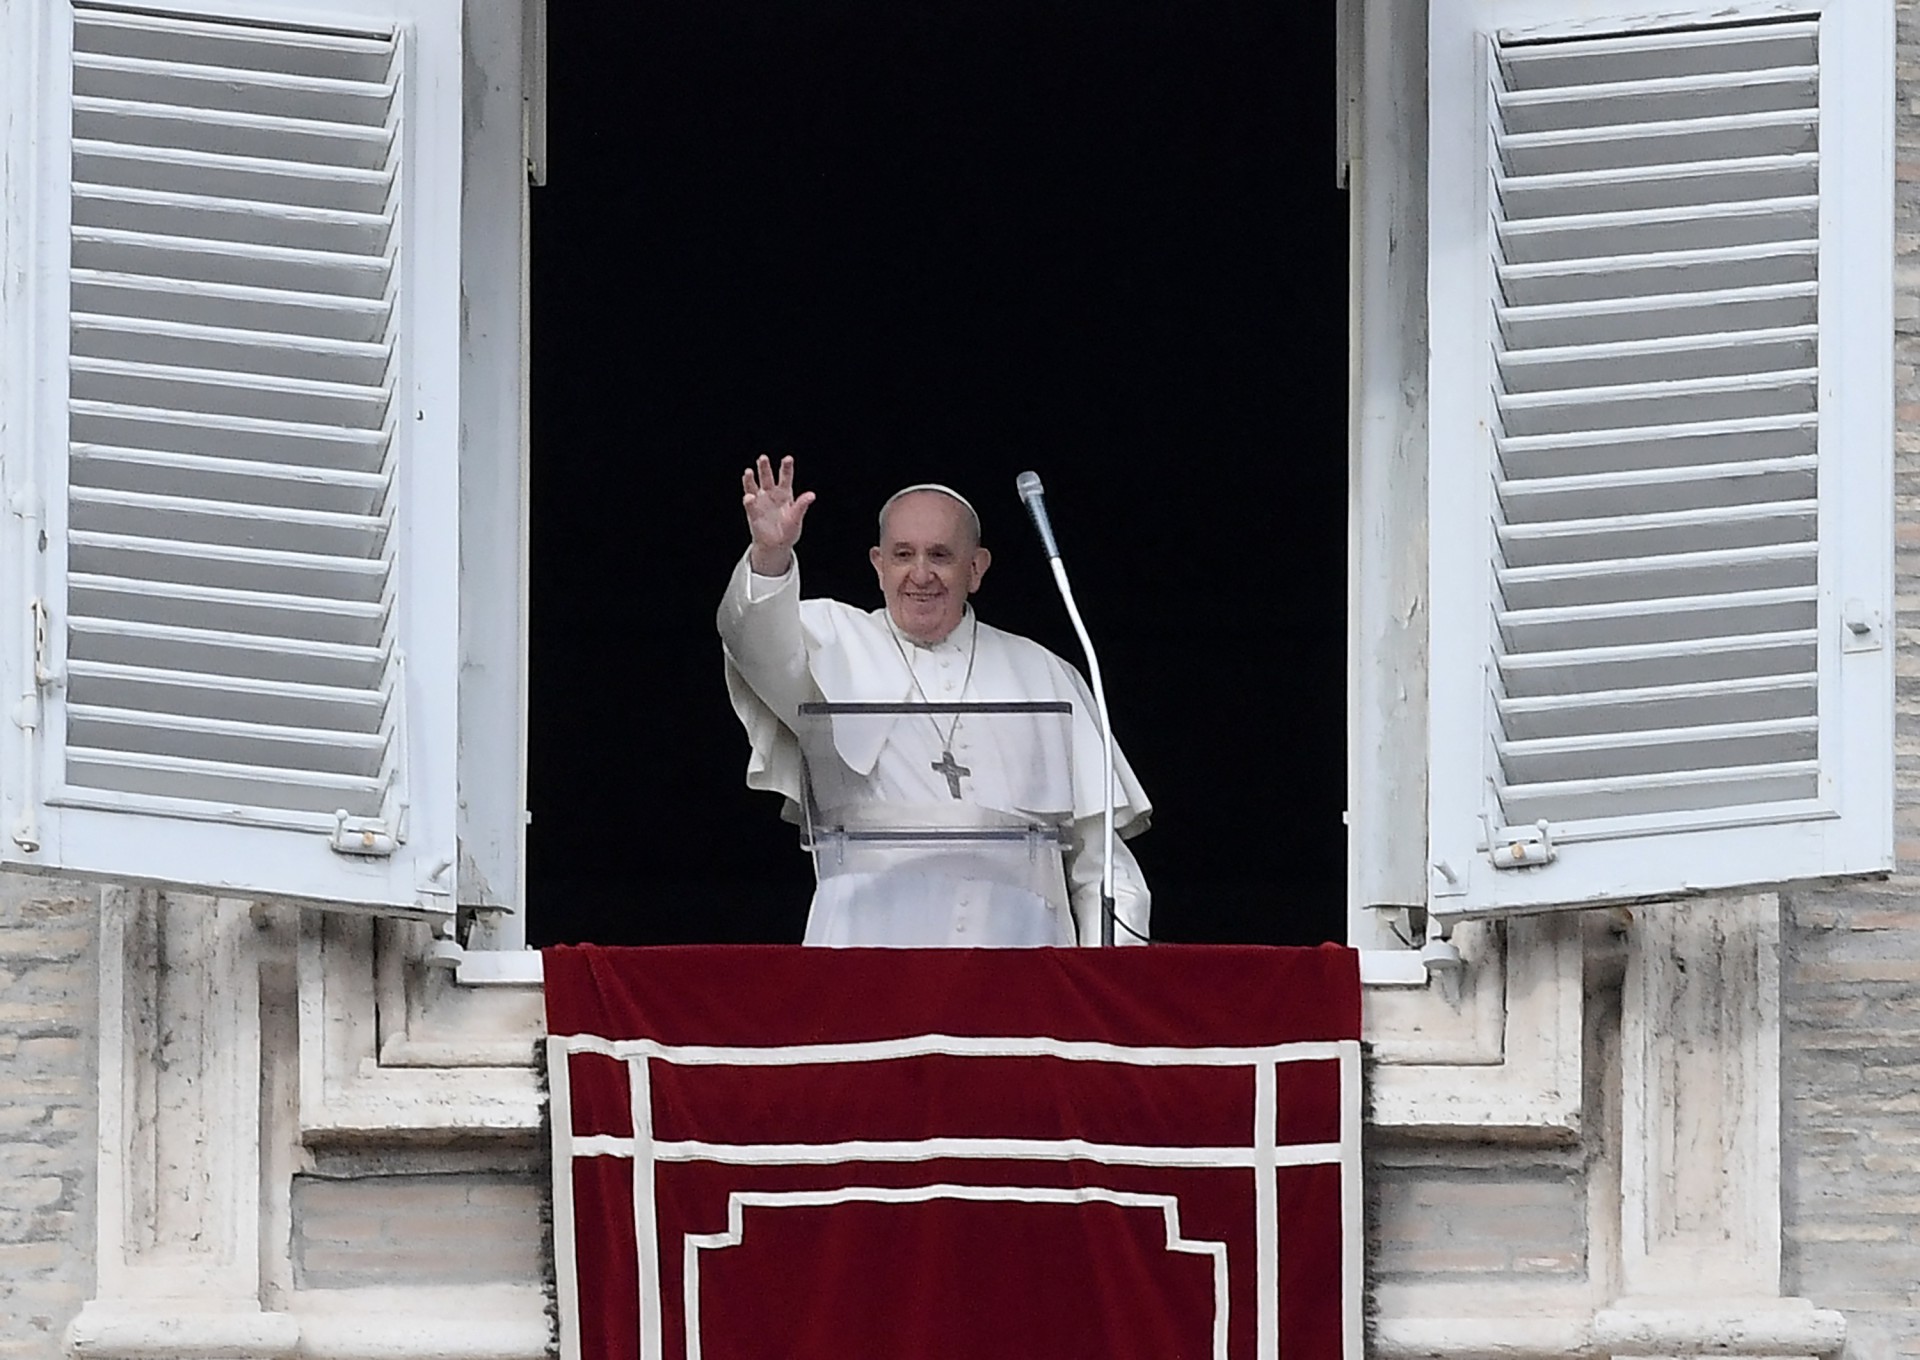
(368, 837)
(1519, 847)
(29, 716)
(42, 673)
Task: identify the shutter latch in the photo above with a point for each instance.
(1519, 847)
(365, 836)
(1863, 628)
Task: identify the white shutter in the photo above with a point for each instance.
(1661, 302)
(247, 578)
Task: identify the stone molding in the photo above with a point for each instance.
(1496, 1054)
(502, 1322)
(1770, 1328)
(392, 1047)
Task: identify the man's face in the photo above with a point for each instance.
(928, 563)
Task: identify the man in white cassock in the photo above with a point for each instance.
(926, 646)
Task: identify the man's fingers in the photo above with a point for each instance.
(760, 483)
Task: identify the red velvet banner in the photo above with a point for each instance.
(956, 1153)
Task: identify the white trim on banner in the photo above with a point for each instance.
(1263, 1153)
(740, 1200)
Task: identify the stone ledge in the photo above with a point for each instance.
(1480, 1338)
(1772, 1327)
(1730, 1330)
(180, 1329)
(505, 1322)
(482, 1322)
(411, 1104)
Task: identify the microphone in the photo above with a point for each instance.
(1027, 484)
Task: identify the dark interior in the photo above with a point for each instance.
(941, 242)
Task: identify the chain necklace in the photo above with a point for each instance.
(946, 767)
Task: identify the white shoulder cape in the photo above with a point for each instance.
(851, 658)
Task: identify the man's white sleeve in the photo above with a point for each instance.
(1132, 903)
(760, 628)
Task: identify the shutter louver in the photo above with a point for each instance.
(231, 493)
(1656, 243)
(1660, 460)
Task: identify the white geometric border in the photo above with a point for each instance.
(740, 1200)
(1261, 1151)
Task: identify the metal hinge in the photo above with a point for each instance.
(29, 715)
(43, 675)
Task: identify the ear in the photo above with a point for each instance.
(982, 559)
(873, 556)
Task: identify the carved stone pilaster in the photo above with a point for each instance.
(1700, 1141)
(179, 1156)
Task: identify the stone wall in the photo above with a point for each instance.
(48, 1101)
(1453, 1212)
(421, 1218)
(1851, 1110)
(1850, 974)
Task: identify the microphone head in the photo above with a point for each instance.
(1027, 484)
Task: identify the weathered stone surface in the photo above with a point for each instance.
(1441, 1223)
(47, 1103)
(1850, 1077)
(435, 1229)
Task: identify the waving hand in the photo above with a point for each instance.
(774, 515)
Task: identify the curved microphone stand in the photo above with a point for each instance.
(1031, 492)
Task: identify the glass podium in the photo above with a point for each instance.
(912, 800)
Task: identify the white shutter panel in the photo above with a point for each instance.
(1662, 395)
(250, 659)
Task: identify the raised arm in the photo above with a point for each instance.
(760, 618)
(774, 515)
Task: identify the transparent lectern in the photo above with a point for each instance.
(926, 819)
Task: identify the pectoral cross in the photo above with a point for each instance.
(946, 766)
